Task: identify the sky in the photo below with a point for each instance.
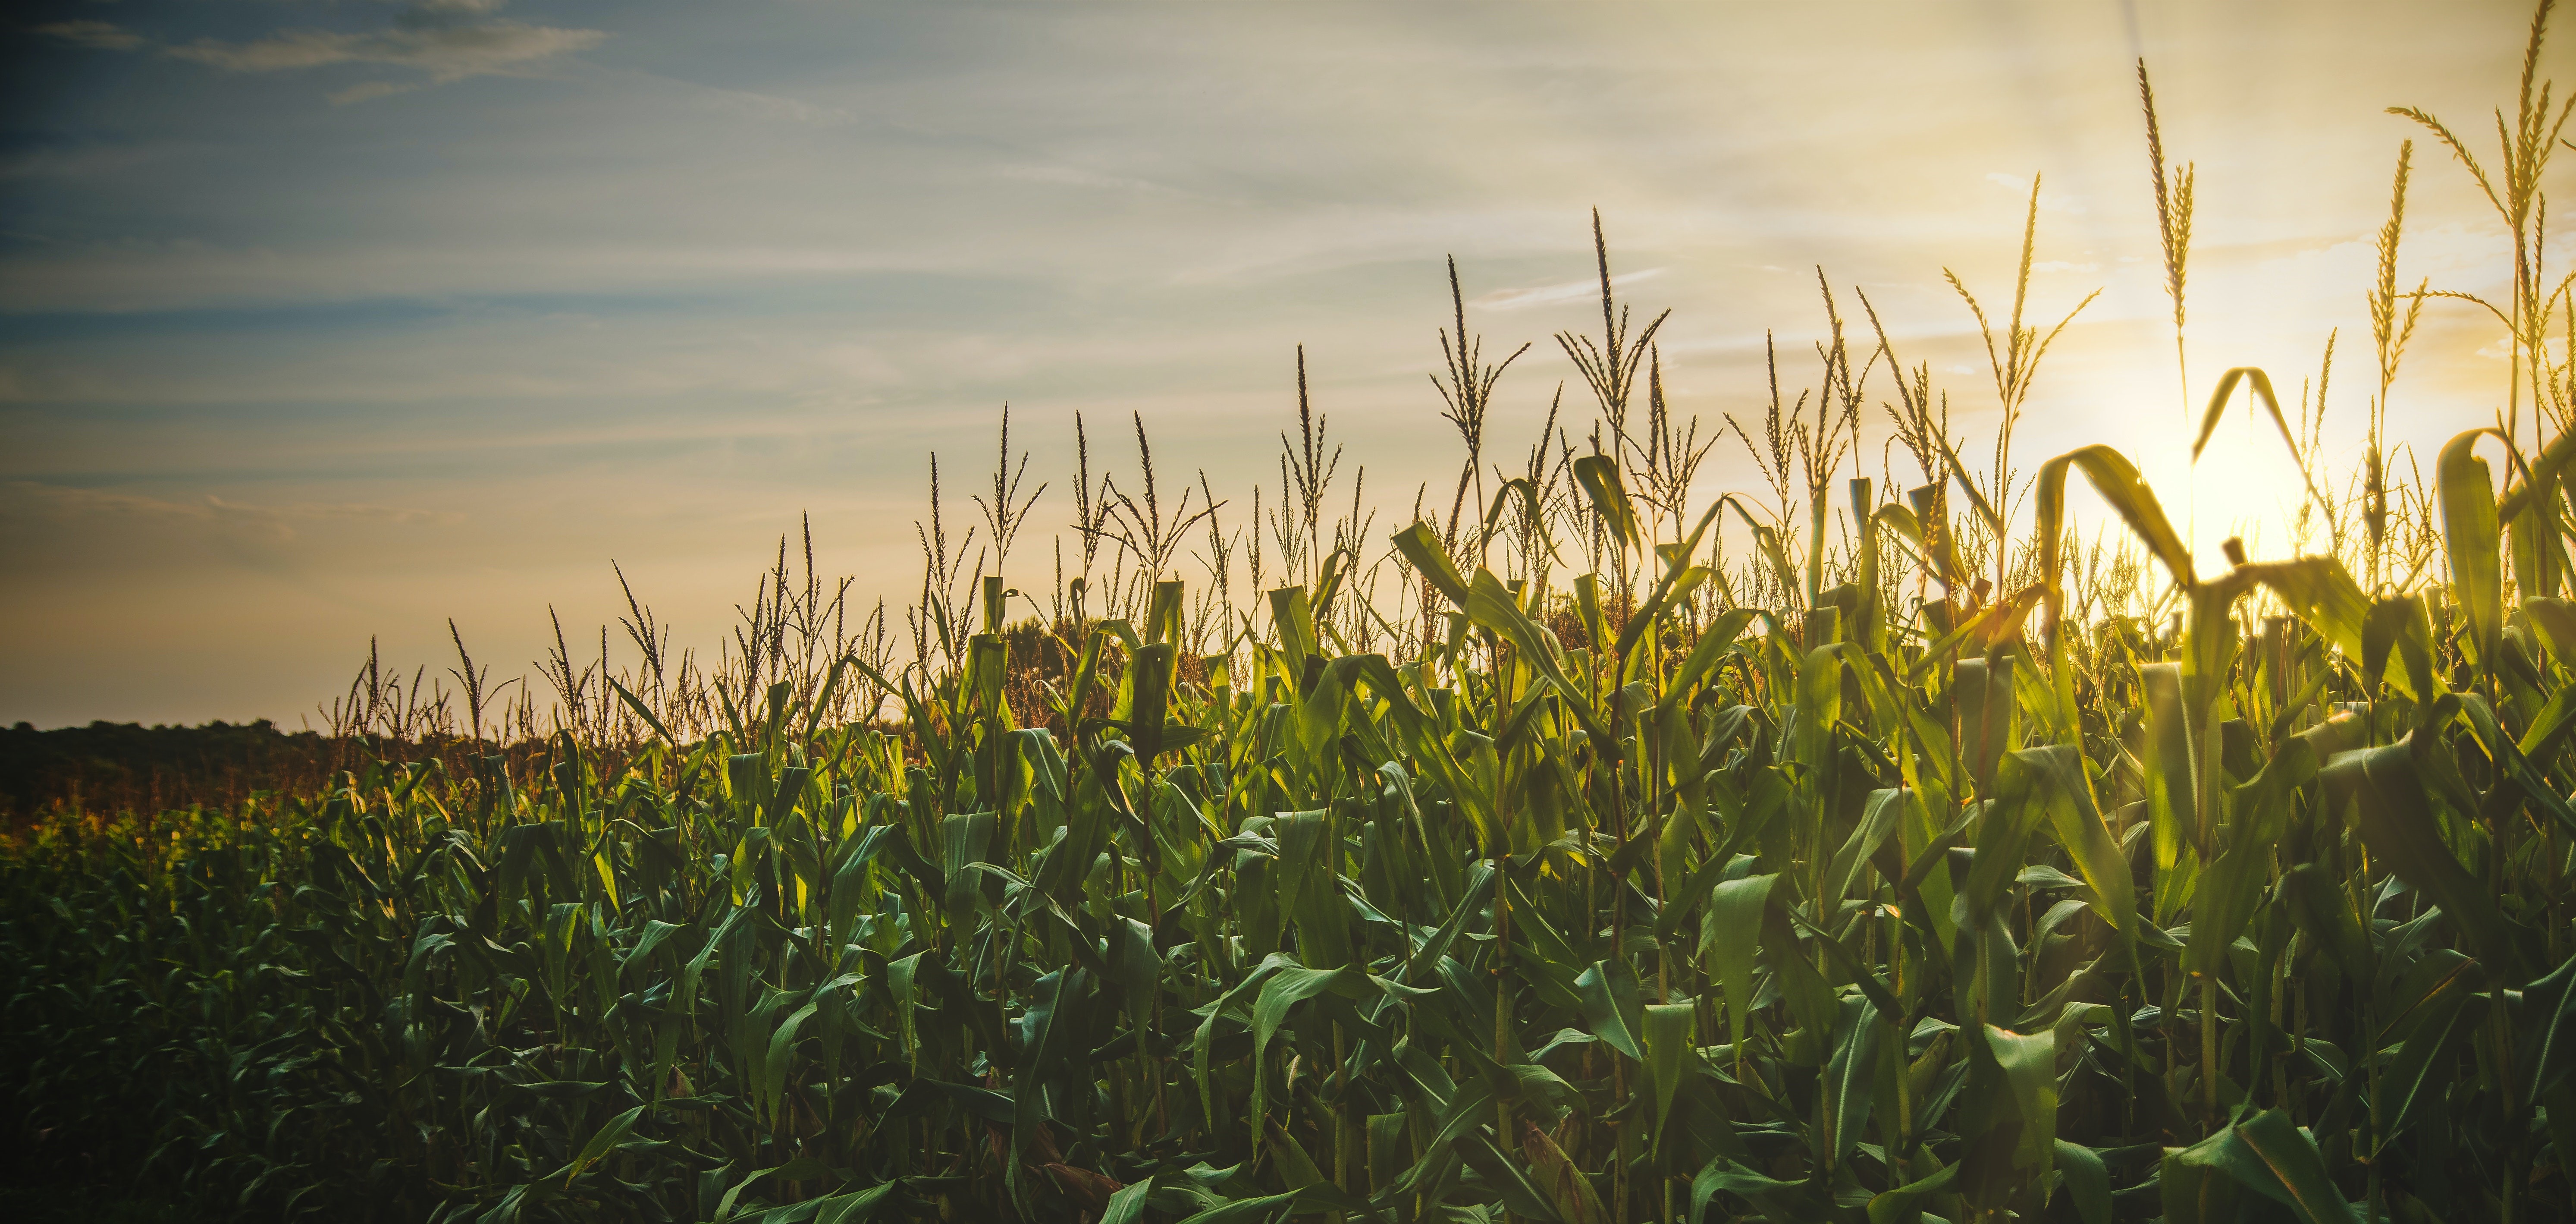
(324, 321)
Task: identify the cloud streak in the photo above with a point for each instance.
(1569, 291)
(446, 40)
(27, 502)
(446, 53)
(96, 35)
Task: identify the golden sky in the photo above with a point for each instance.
(327, 320)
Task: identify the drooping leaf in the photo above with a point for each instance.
(2545, 1032)
(1421, 546)
(2118, 482)
(2471, 539)
(1611, 1006)
(2085, 1181)
(1671, 1035)
(1599, 476)
(2292, 1158)
(1730, 937)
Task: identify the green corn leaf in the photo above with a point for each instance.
(1309, 891)
(2422, 1069)
(2291, 1157)
(1879, 818)
(1671, 1032)
(1766, 539)
(1611, 1007)
(2086, 1182)
(2545, 1027)
(1491, 605)
(1679, 579)
(1295, 1166)
(2325, 916)
(1851, 1075)
(858, 1205)
(2385, 787)
(1730, 936)
(772, 1068)
(1959, 472)
(2029, 1065)
(1421, 546)
(603, 1142)
(1785, 1202)
(1904, 1204)
(1286, 988)
(2023, 792)
(2471, 539)
(2173, 797)
(2260, 384)
(1716, 641)
(1294, 619)
(1819, 705)
(1988, 716)
(2399, 625)
(2556, 620)
(1599, 476)
(1812, 1000)
(2117, 480)
(1267, 1209)
(2204, 1183)
(2322, 593)
(2222, 903)
(2076, 820)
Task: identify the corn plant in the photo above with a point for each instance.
(2241, 894)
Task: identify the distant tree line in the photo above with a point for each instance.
(111, 767)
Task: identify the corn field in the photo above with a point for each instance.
(1537, 861)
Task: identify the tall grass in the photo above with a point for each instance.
(1922, 861)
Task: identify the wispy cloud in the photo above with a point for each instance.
(102, 35)
(448, 39)
(1550, 295)
(27, 500)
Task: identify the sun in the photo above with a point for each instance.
(2243, 485)
(2250, 491)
